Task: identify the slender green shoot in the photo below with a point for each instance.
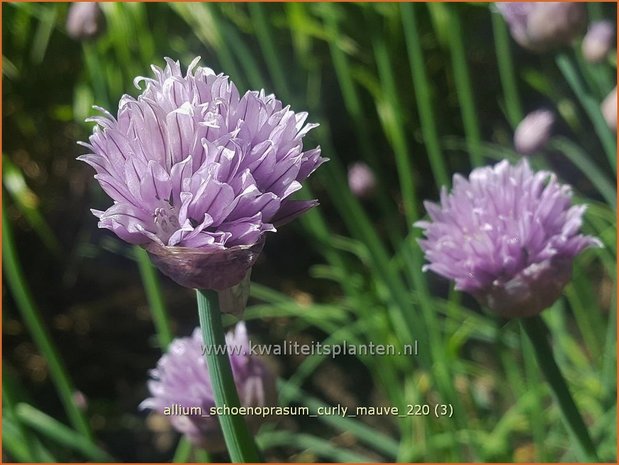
(464, 87)
(423, 93)
(239, 441)
(155, 298)
(59, 433)
(32, 318)
(537, 331)
(507, 71)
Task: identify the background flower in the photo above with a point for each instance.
(361, 180)
(181, 378)
(543, 26)
(609, 109)
(85, 20)
(533, 132)
(506, 235)
(598, 41)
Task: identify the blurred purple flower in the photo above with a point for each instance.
(598, 41)
(543, 26)
(181, 381)
(85, 20)
(507, 236)
(533, 132)
(199, 173)
(361, 180)
(609, 109)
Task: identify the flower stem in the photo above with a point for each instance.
(536, 330)
(240, 444)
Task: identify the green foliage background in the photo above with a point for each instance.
(417, 91)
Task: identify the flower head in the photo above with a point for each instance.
(543, 26)
(361, 180)
(181, 382)
(85, 20)
(598, 41)
(507, 236)
(196, 170)
(533, 132)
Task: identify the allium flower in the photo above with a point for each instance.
(533, 132)
(361, 180)
(609, 109)
(507, 236)
(598, 41)
(199, 173)
(543, 26)
(181, 382)
(85, 20)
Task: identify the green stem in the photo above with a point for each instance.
(240, 444)
(29, 312)
(536, 330)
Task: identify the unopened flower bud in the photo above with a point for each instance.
(609, 109)
(85, 20)
(80, 400)
(598, 41)
(533, 132)
(544, 26)
(361, 180)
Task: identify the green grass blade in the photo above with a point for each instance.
(22, 441)
(310, 443)
(462, 78)
(536, 330)
(263, 35)
(56, 431)
(155, 297)
(366, 434)
(422, 94)
(183, 450)
(582, 161)
(591, 106)
(392, 116)
(507, 71)
(29, 312)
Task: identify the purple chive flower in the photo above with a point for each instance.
(543, 26)
(598, 41)
(507, 236)
(533, 131)
(361, 180)
(609, 109)
(199, 173)
(85, 20)
(180, 387)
